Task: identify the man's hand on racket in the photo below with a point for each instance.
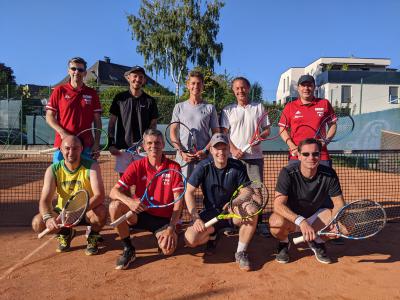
(200, 155)
(52, 224)
(95, 150)
(188, 157)
(237, 153)
(136, 206)
(307, 231)
(198, 225)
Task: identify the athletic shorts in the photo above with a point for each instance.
(210, 213)
(150, 223)
(312, 219)
(255, 168)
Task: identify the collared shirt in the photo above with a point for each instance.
(141, 172)
(75, 109)
(304, 120)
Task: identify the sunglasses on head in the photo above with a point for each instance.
(313, 154)
(77, 69)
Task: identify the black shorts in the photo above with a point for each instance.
(209, 213)
(82, 222)
(149, 222)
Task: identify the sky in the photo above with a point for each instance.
(261, 38)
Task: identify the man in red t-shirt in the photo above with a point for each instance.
(160, 221)
(303, 117)
(73, 107)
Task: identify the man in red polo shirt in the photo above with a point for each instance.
(304, 116)
(160, 221)
(72, 108)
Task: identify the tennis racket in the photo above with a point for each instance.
(137, 149)
(303, 131)
(181, 138)
(248, 200)
(73, 211)
(357, 220)
(165, 177)
(88, 136)
(268, 128)
(330, 133)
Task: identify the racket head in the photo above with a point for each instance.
(137, 149)
(358, 220)
(344, 126)
(75, 208)
(87, 136)
(168, 179)
(249, 199)
(180, 137)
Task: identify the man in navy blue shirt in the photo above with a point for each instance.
(218, 177)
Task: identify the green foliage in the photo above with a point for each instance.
(8, 86)
(165, 105)
(107, 95)
(172, 33)
(256, 92)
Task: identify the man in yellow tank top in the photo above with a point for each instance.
(66, 177)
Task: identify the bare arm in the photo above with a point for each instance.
(338, 203)
(96, 182)
(176, 212)
(46, 198)
(53, 123)
(97, 124)
(117, 193)
(190, 201)
(288, 140)
(331, 132)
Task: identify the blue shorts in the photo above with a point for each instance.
(57, 156)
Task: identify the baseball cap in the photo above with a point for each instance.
(306, 78)
(135, 69)
(219, 138)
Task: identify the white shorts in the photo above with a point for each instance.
(123, 160)
(312, 219)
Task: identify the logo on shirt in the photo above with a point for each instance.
(319, 108)
(144, 178)
(320, 113)
(67, 97)
(87, 99)
(298, 112)
(166, 178)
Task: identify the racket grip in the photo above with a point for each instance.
(43, 233)
(121, 219)
(298, 240)
(211, 222)
(246, 148)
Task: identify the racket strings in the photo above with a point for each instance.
(250, 201)
(362, 219)
(70, 217)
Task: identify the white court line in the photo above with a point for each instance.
(21, 262)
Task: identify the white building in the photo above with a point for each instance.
(362, 84)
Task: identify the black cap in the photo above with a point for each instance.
(135, 69)
(306, 78)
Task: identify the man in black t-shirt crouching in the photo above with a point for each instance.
(300, 196)
(218, 177)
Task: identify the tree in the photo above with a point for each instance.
(171, 33)
(8, 86)
(256, 92)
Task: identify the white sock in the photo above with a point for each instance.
(241, 247)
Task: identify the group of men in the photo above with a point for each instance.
(307, 192)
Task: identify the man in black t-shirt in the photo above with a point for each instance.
(132, 112)
(299, 203)
(218, 177)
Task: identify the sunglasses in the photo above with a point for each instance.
(77, 69)
(313, 154)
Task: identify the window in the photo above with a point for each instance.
(393, 95)
(346, 93)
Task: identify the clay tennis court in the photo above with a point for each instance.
(30, 268)
(366, 269)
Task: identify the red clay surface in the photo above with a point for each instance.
(368, 269)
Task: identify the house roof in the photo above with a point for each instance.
(107, 73)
